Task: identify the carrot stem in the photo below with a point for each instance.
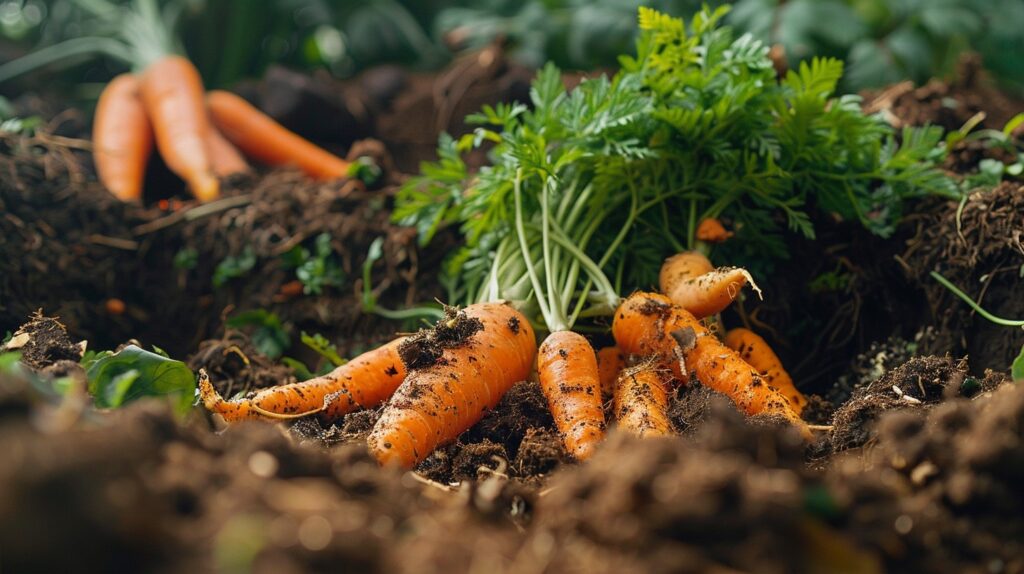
(956, 291)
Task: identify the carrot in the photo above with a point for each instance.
(682, 267)
(261, 138)
(610, 361)
(711, 230)
(758, 354)
(122, 138)
(172, 93)
(225, 159)
(703, 294)
(650, 324)
(457, 372)
(364, 382)
(568, 373)
(641, 402)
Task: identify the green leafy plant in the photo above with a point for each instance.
(186, 258)
(1017, 367)
(268, 335)
(133, 373)
(887, 41)
(233, 266)
(318, 268)
(370, 305)
(323, 347)
(590, 190)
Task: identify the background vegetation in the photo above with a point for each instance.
(882, 41)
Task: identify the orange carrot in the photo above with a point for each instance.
(225, 158)
(758, 354)
(261, 138)
(457, 372)
(702, 294)
(568, 372)
(641, 402)
(172, 93)
(649, 324)
(364, 382)
(610, 362)
(682, 267)
(711, 230)
(122, 138)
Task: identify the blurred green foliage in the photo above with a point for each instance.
(882, 41)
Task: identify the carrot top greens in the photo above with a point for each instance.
(589, 189)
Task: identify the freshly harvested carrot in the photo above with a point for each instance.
(610, 362)
(641, 402)
(261, 138)
(225, 159)
(703, 294)
(122, 138)
(172, 93)
(682, 267)
(753, 349)
(457, 372)
(568, 373)
(364, 382)
(711, 230)
(650, 324)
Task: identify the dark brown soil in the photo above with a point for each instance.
(114, 271)
(42, 343)
(136, 489)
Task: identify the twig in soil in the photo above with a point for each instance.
(824, 428)
(424, 480)
(192, 214)
(115, 242)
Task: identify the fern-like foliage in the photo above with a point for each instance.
(695, 125)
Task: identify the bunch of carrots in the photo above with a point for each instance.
(198, 135)
(201, 137)
(438, 383)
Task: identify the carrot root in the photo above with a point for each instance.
(457, 372)
(641, 402)
(650, 324)
(570, 380)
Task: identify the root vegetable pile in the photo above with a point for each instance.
(164, 100)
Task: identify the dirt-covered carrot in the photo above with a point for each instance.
(263, 139)
(172, 93)
(682, 267)
(649, 324)
(641, 402)
(225, 159)
(457, 372)
(711, 230)
(122, 138)
(610, 362)
(364, 382)
(568, 373)
(758, 354)
(702, 294)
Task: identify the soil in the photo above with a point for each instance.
(917, 464)
(138, 489)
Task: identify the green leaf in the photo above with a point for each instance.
(133, 373)
(323, 347)
(269, 336)
(234, 266)
(186, 258)
(298, 367)
(320, 269)
(1013, 124)
(1017, 369)
(9, 361)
